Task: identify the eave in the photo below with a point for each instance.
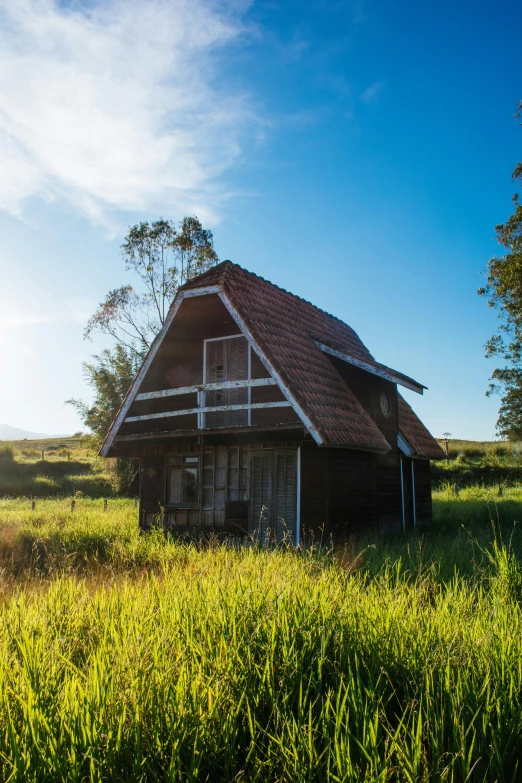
(381, 370)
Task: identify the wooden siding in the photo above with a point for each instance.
(389, 494)
(179, 364)
(343, 492)
(353, 492)
(314, 492)
(368, 388)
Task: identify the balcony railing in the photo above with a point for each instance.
(202, 408)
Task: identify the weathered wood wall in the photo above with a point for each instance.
(343, 492)
(314, 492)
(224, 486)
(389, 491)
(353, 492)
(367, 388)
(179, 363)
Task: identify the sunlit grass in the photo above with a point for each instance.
(54, 467)
(128, 657)
(495, 463)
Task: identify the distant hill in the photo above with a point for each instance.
(7, 432)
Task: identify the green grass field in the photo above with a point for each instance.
(54, 467)
(139, 658)
(473, 462)
(68, 467)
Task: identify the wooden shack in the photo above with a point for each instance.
(257, 413)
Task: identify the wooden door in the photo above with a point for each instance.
(273, 494)
(285, 493)
(227, 360)
(260, 493)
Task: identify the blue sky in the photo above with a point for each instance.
(356, 153)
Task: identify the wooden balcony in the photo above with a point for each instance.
(200, 409)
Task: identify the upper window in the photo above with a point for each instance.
(183, 481)
(227, 359)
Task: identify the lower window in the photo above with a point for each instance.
(183, 481)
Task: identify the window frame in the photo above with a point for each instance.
(194, 461)
(202, 421)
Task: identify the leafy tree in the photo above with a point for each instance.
(504, 292)
(109, 374)
(163, 257)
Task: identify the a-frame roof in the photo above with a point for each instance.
(295, 338)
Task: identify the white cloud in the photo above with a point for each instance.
(115, 105)
(75, 311)
(372, 91)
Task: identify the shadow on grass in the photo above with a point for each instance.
(50, 478)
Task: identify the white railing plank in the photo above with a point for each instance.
(211, 409)
(202, 387)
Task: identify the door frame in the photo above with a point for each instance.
(272, 518)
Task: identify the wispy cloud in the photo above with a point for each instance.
(76, 311)
(7, 321)
(372, 92)
(115, 105)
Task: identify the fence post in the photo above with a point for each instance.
(43, 455)
(33, 505)
(105, 504)
(68, 456)
(73, 505)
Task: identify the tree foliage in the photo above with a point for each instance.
(504, 293)
(109, 374)
(163, 257)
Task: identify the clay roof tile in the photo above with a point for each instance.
(286, 328)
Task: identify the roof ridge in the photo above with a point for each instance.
(234, 265)
(220, 268)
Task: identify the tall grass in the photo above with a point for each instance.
(68, 466)
(136, 658)
(475, 463)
